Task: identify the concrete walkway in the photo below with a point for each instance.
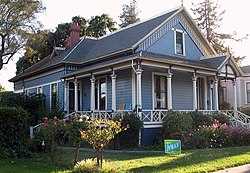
(238, 169)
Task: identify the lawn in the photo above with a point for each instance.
(190, 161)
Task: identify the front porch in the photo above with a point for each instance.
(150, 85)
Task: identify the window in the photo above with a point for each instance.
(160, 92)
(248, 92)
(100, 94)
(53, 95)
(179, 43)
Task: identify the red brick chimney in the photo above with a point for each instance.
(74, 34)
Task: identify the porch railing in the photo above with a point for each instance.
(237, 118)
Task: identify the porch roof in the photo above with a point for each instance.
(210, 64)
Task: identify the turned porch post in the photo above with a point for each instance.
(66, 97)
(169, 91)
(216, 97)
(235, 94)
(113, 80)
(194, 79)
(92, 95)
(76, 95)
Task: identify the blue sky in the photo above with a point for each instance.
(60, 11)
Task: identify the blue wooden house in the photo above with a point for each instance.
(160, 64)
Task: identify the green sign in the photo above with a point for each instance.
(172, 146)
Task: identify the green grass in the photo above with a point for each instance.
(190, 161)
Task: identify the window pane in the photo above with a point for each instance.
(54, 95)
(103, 89)
(179, 43)
(160, 93)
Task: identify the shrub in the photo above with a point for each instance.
(200, 119)
(52, 131)
(13, 132)
(90, 166)
(32, 103)
(245, 110)
(222, 119)
(128, 138)
(176, 125)
(225, 106)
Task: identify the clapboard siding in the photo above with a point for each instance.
(182, 89)
(86, 84)
(146, 89)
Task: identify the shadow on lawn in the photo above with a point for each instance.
(192, 158)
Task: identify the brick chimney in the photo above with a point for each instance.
(74, 34)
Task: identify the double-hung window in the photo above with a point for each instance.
(53, 95)
(101, 94)
(179, 42)
(160, 92)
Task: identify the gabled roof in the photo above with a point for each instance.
(121, 41)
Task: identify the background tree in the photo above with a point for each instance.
(209, 18)
(2, 89)
(101, 25)
(17, 22)
(129, 14)
(41, 43)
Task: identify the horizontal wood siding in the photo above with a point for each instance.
(86, 93)
(33, 91)
(109, 93)
(123, 87)
(146, 89)
(166, 45)
(43, 80)
(46, 92)
(182, 89)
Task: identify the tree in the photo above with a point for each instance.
(99, 133)
(38, 46)
(209, 19)
(17, 22)
(100, 26)
(129, 14)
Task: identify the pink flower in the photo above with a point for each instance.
(54, 123)
(45, 119)
(45, 125)
(64, 121)
(55, 118)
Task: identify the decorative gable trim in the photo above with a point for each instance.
(166, 28)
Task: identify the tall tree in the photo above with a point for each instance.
(100, 26)
(129, 14)
(38, 46)
(209, 18)
(17, 22)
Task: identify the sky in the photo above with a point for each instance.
(61, 11)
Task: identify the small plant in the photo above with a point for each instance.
(90, 166)
(200, 119)
(74, 127)
(99, 133)
(51, 130)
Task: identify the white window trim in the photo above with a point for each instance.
(246, 82)
(153, 88)
(183, 36)
(57, 89)
(98, 92)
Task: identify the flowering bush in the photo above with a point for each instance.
(51, 130)
(99, 133)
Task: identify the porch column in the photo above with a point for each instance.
(139, 96)
(235, 95)
(194, 79)
(76, 95)
(216, 102)
(211, 96)
(113, 78)
(205, 93)
(169, 87)
(66, 97)
(92, 95)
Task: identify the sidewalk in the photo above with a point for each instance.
(238, 169)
